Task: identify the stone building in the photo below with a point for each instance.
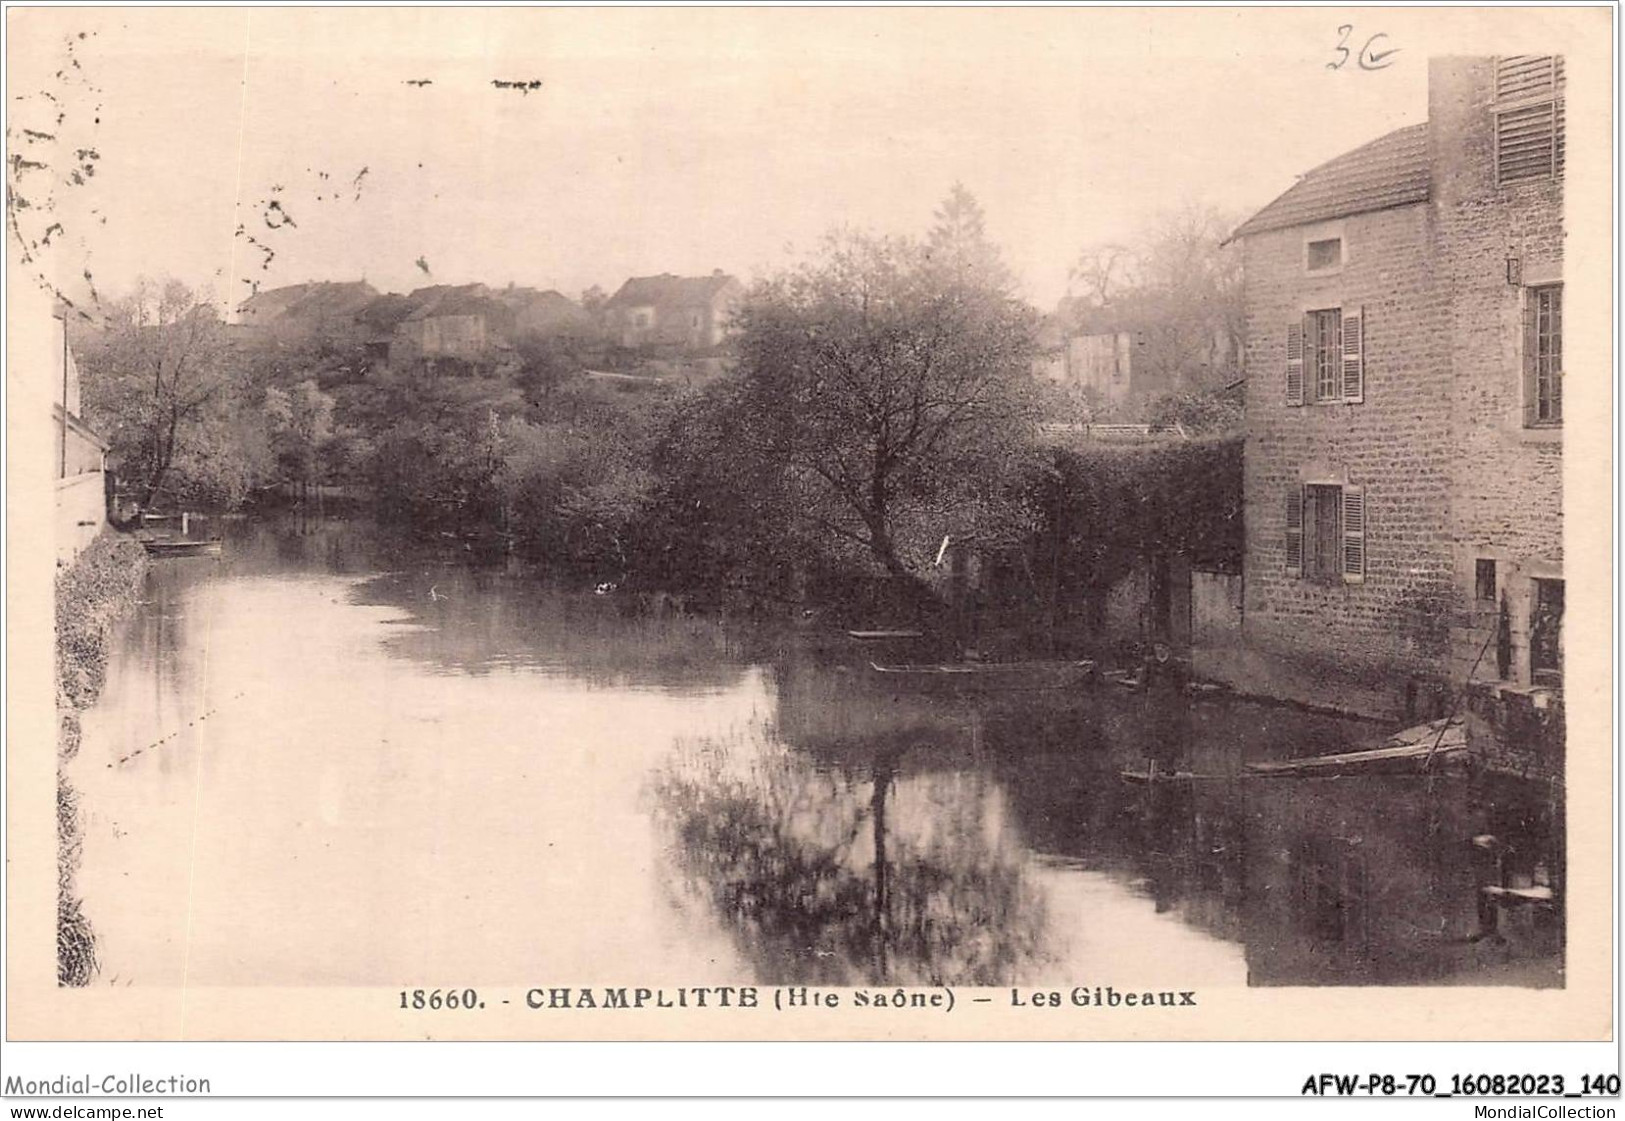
(1121, 358)
(1102, 364)
(450, 328)
(545, 314)
(80, 456)
(1403, 478)
(685, 312)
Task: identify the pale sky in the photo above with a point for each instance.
(684, 140)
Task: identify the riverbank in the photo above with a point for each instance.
(92, 595)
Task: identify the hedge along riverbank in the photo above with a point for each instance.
(93, 595)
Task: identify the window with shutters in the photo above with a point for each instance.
(1543, 356)
(1528, 117)
(1323, 522)
(1325, 533)
(1323, 333)
(1325, 357)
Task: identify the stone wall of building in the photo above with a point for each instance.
(1516, 730)
(1101, 364)
(1493, 243)
(81, 513)
(1325, 636)
(440, 336)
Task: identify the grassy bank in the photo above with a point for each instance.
(92, 596)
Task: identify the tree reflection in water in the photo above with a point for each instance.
(860, 875)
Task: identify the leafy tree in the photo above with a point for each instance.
(891, 381)
(958, 247)
(572, 493)
(546, 368)
(331, 358)
(158, 381)
(432, 473)
(425, 443)
(301, 425)
(719, 523)
(1107, 507)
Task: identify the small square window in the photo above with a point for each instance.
(1485, 580)
(1324, 254)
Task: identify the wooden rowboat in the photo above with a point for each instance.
(985, 675)
(1383, 760)
(1407, 753)
(160, 548)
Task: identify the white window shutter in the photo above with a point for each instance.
(1294, 364)
(1354, 355)
(1353, 535)
(1294, 531)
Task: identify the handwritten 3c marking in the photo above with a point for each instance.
(1370, 57)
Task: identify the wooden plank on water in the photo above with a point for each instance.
(1145, 777)
(998, 675)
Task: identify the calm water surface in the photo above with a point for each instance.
(334, 757)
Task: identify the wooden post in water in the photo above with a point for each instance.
(877, 804)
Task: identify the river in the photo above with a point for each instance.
(334, 756)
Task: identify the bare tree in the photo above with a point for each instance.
(1099, 270)
(1177, 289)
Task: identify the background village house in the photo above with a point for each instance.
(445, 328)
(451, 326)
(320, 307)
(687, 312)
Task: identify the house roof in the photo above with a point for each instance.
(1390, 171)
(318, 300)
(446, 299)
(544, 312)
(667, 290)
(497, 305)
(539, 302)
(385, 312)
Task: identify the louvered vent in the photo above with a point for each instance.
(1528, 117)
(1527, 75)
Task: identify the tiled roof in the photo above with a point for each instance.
(383, 313)
(532, 300)
(669, 291)
(310, 300)
(1390, 171)
(447, 299)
